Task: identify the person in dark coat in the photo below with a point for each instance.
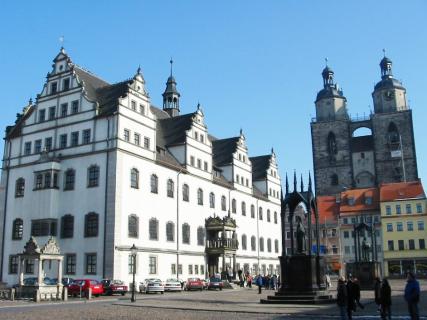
(351, 298)
(377, 292)
(259, 283)
(342, 298)
(357, 293)
(412, 296)
(385, 300)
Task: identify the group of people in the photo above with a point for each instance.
(348, 296)
(267, 282)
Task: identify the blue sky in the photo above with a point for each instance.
(252, 64)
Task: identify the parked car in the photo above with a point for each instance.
(151, 285)
(194, 284)
(33, 281)
(114, 286)
(173, 285)
(65, 281)
(85, 284)
(215, 283)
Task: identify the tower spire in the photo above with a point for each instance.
(287, 184)
(302, 184)
(309, 181)
(295, 180)
(171, 62)
(171, 95)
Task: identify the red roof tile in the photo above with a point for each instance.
(401, 191)
(359, 200)
(328, 209)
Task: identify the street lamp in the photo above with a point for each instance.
(133, 251)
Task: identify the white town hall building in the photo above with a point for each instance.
(99, 168)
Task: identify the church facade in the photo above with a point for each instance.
(100, 168)
(342, 158)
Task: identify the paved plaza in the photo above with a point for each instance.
(232, 304)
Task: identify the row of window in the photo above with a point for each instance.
(409, 226)
(261, 244)
(54, 85)
(366, 219)
(199, 164)
(63, 111)
(170, 192)
(48, 227)
(136, 139)
(192, 269)
(410, 245)
(49, 179)
(134, 108)
(90, 264)
(353, 249)
(408, 209)
(63, 142)
(363, 233)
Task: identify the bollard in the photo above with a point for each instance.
(65, 293)
(12, 294)
(37, 297)
(89, 293)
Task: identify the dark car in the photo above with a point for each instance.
(215, 283)
(114, 286)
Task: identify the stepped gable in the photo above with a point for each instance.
(223, 149)
(260, 166)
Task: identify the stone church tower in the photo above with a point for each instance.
(342, 158)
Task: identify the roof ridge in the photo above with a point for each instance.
(89, 72)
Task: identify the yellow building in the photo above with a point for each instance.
(404, 221)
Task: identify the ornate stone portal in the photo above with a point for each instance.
(303, 269)
(221, 241)
(38, 289)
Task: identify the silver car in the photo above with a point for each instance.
(151, 285)
(173, 285)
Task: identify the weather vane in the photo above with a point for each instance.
(61, 40)
(171, 62)
(326, 62)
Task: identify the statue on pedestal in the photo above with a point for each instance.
(300, 236)
(366, 248)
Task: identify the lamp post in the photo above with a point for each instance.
(133, 251)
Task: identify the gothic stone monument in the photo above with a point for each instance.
(302, 271)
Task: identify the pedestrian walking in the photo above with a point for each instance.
(274, 282)
(377, 293)
(351, 298)
(412, 296)
(385, 300)
(342, 298)
(258, 282)
(328, 281)
(357, 293)
(249, 280)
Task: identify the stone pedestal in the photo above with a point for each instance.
(365, 272)
(302, 281)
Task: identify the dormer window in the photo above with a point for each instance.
(202, 138)
(133, 105)
(196, 135)
(53, 87)
(141, 109)
(350, 201)
(66, 84)
(368, 200)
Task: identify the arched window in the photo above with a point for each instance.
(91, 224)
(334, 179)
(253, 243)
(67, 226)
(223, 203)
(69, 179)
(252, 211)
(200, 236)
(19, 187)
(233, 206)
(244, 240)
(243, 208)
(269, 245)
(200, 196)
(185, 193)
(186, 233)
(170, 188)
(276, 246)
(261, 244)
(133, 226)
(268, 215)
(275, 217)
(17, 229)
(154, 183)
(170, 231)
(332, 145)
(212, 200)
(393, 134)
(153, 229)
(93, 176)
(260, 213)
(134, 178)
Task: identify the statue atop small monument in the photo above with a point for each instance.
(366, 249)
(300, 235)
